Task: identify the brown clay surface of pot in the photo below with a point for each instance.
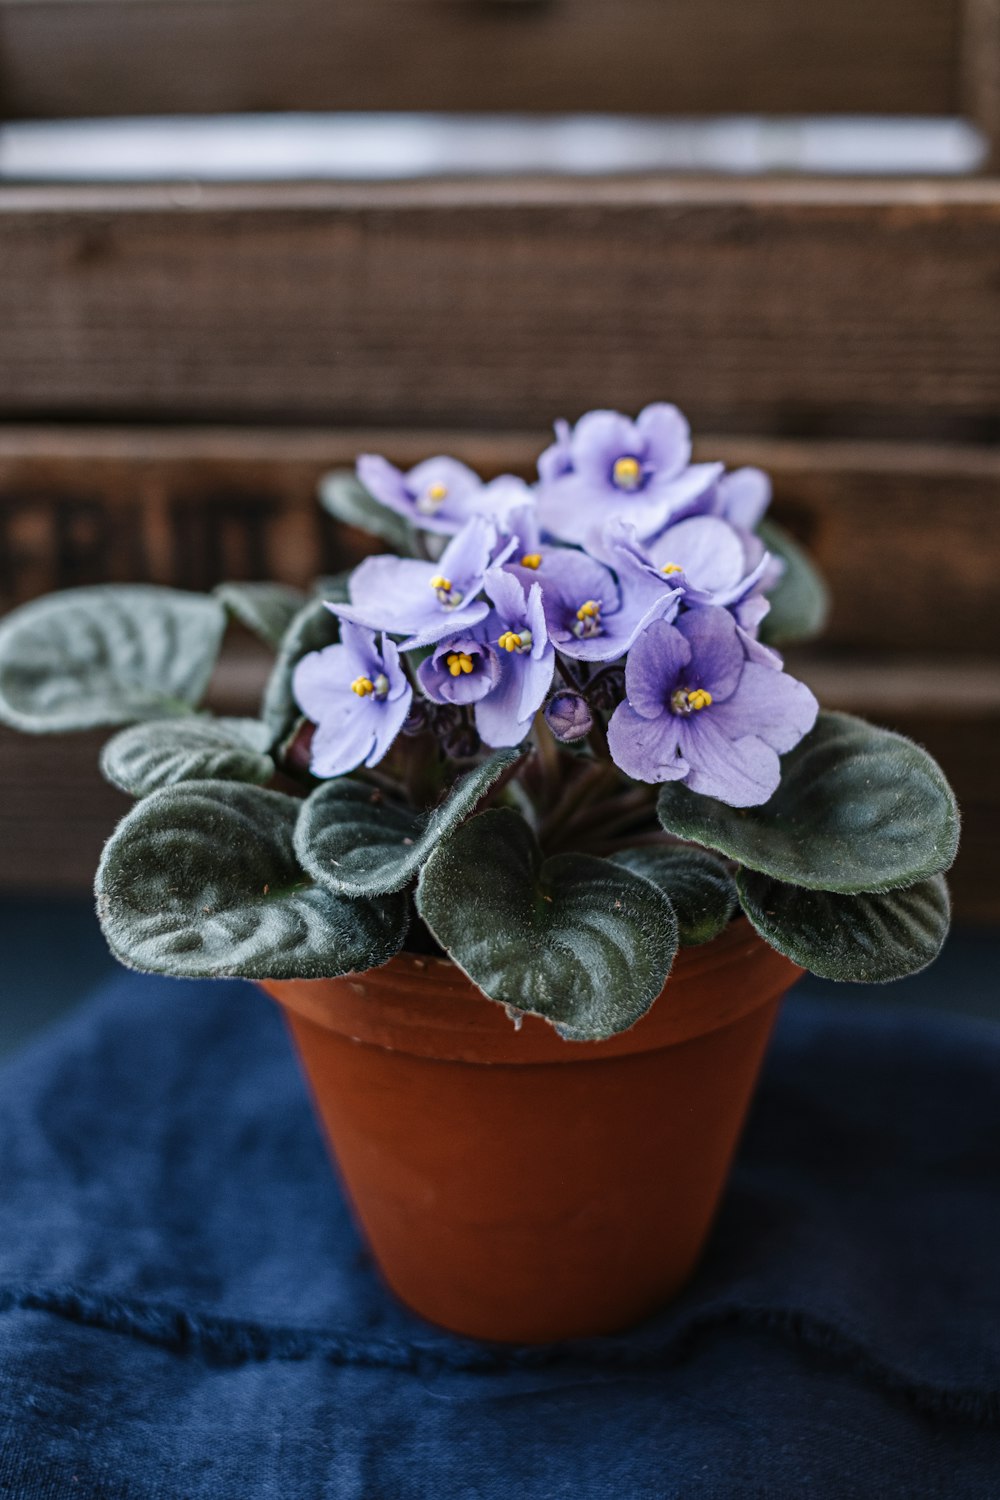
(518, 1187)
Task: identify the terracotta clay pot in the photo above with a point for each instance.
(514, 1186)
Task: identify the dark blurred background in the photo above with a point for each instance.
(243, 240)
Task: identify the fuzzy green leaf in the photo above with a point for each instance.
(858, 809)
(700, 888)
(201, 880)
(352, 839)
(110, 654)
(345, 497)
(869, 938)
(265, 608)
(582, 942)
(800, 601)
(162, 752)
(312, 628)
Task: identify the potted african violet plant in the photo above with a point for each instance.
(531, 834)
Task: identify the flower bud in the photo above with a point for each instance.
(568, 717)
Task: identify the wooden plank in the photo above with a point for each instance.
(114, 57)
(904, 532)
(806, 307)
(979, 73)
(51, 832)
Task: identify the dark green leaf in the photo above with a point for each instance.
(353, 839)
(344, 496)
(106, 655)
(868, 938)
(858, 809)
(701, 890)
(265, 608)
(334, 587)
(312, 628)
(162, 752)
(576, 939)
(201, 880)
(800, 601)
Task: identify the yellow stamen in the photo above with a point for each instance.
(589, 610)
(531, 560)
(509, 641)
(459, 662)
(627, 473)
(700, 698)
(671, 568)
(439, 581)
(437, 492)
(362, 686)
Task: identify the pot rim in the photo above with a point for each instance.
(428, 1007)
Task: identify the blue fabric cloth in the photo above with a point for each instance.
(186, 1312)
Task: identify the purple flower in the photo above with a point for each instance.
(358, 698)
(591, 614)
(426, 601)
(441, 494)
(568, 717)
(557, 458)
(516, 629)
(711, 561)
(462, 669)
(742, 496)
(698, 710)
(609, 466)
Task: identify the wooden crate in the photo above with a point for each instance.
(64, 57)
(791, 307)
(180, 363)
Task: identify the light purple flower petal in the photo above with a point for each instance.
(647, 749)
(390, 719)
(441, 685)
(352, 727)
(776, 708)
(504, 716)
(322, 678)
(717, 658)
(654, 665)
(666, 438)
(598, 440)
(557, 458)
(437, 495)
(719, 564)
(342, 743)
(525, 526)
(387, 483)
(742, 773)
(744, 495)
(503, 498)
(668, 500)
(402, 596)
(468, 554)
(706, 549)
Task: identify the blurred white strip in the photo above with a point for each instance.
(241, 148)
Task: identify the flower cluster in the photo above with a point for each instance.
(619, 598)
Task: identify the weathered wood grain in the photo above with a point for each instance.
(979, 70)
(792, 307)
(906, 533)
(109, 57)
